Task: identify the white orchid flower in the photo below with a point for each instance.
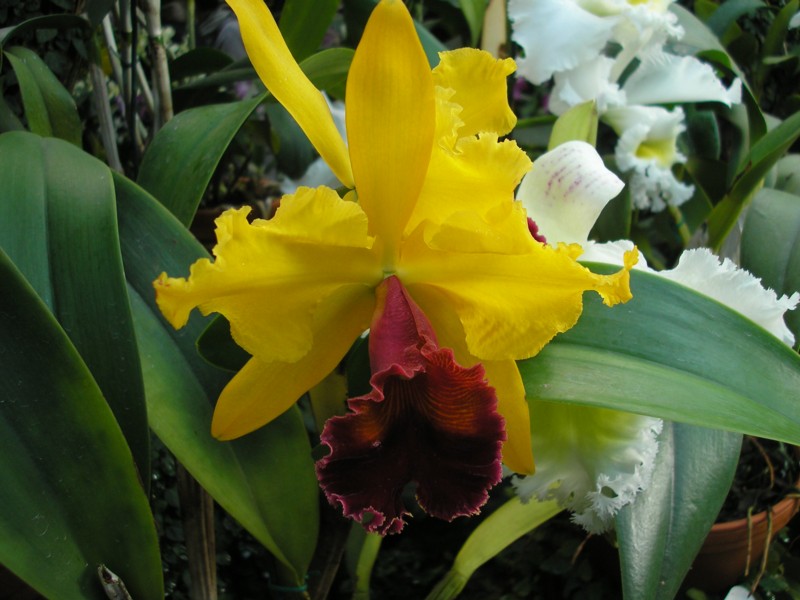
(648, 146)
(593, 461)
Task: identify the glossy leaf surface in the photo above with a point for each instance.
(672, 353)
(771, 245)
(70, 498)
(661, 532)
(266, 479)
(58, 225)
(49, 107)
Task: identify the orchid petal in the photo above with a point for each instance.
(566, 191)
(286, 81)
(479, 82)
(556, 35)
(510, 305)
(670, 79)
(269, 277)
(261, 391)
(591, 80)
(480, 177)
(422, 405)
(593, 461)
(503, 376)
(722, 280)
(390, 120)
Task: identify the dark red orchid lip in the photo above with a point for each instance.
(427, 420)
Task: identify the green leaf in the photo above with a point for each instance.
(578, 123)
(662, 531)
(728, 12)
(58, 224)
(495, 533)
(474, 10)
(771, 245)
(8, 120)
(58, 21)
(698, 37)
(266, 479)
(70, 498)
(776, 35)
(303, 24)
(328, 69)
(49, 107)
(199, 61)
(97, 9)
(216, 345)
(675, 354)
(761, 158)
(181, 159)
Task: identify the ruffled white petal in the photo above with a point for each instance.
(720, 279)
(555, 35)
(591, 80)
(566, 190)
(592, 461)
(669, 79)
(647, 145)
(736, 288)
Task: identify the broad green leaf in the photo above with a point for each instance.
(58, 224)
(49, 107)
(216, 345)
(495, 533)
(728, 12)
(771, 245)
(578, 123)
(181, 159)
(474, 10)
(303, 24)
(294, 152)
(8, 120)
(200, 61)
(662, 531)
(699, 38)
(673, 353)
(58, 21)
(776, 35)
(70, 497)
(266, 479)
(761, 158)
(97, 9)
(328, 69)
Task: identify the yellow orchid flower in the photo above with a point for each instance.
(431, 205)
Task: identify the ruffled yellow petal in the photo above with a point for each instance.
(269, 277)
(286, 81)
(481, 88)
(390, 120)
(479, 177)
(261, 391)
(510, 305)
(502, 375)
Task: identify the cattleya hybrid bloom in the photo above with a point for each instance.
(594, 461)
(428, 246)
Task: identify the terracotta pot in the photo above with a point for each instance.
(723, 558)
